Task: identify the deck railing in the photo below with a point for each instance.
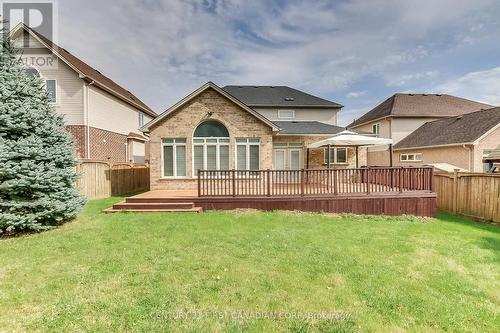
(238, 183)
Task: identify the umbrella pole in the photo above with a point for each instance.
(357, 157)
(390, 153)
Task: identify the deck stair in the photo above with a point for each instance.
(154, 205)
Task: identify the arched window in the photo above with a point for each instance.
(211, 128)
(31, 72)
(210, 147)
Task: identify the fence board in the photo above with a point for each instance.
(101, 179)
(475, 195)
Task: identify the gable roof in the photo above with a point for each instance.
(87, 72)
(281, 96)
(306, 128)
(463, 129)
(421, 105)
(198, 91)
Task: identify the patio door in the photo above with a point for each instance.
(295, 163)
(279, 163)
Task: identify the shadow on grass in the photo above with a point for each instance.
(462, 220)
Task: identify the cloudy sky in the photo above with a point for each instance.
(356, 53)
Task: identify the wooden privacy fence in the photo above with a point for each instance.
(475, 195)
(101, 179)
(213, 183)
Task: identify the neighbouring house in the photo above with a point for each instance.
(462, 141)
(103, 117)
(242, 128)
(401, 114)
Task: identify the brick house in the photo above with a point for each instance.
(401, 114)
(463, 141)
(103, 117)
(242, 128)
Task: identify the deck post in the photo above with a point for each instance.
(431, 180)
(233, 180)
(302, 182)
(401, 179)
(328, 154)
(199, 183)
(368, 180)
(335, 182)
(268, 176)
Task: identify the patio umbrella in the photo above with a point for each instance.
(351, 139)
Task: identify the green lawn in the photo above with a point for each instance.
(221, 271)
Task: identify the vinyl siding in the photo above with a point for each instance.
(327, 116)
(110, 113)
(69, 87)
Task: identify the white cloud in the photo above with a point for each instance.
(401, 80)
(483, 86)
(162, 50)
(356, 94)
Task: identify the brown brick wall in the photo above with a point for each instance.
(107, 146)
(78, 134)
(182, 123)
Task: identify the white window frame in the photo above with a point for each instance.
(416, 157)
(291, 112)
(56, 90)
(335, 161)
(247, 143)
(141, 119)
(376, 129)
(219, 142)
(173, 144)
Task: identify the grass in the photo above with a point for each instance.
(223, 271)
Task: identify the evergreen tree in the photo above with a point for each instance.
(36, 153)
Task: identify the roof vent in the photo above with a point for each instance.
(424, 94)
(98, 71)
(410, 94)
(289, 99)
(439, 95)
(271, 86)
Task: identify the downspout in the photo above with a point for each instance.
(86, 115)
(470, 166)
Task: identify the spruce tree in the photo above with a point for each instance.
(36, 153)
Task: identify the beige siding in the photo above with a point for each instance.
(69, 87)
(491, 141)
(454, 155)
(110, 113)
(402, 127)
(328, 116)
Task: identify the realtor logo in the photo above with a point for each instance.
(39, 17)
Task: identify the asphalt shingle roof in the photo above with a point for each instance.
(421, 105)
(281, 96)
(307, 127)
(461, 129)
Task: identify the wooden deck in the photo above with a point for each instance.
(419, 203)
(381, 191)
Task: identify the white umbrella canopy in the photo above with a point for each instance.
(348, 138)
